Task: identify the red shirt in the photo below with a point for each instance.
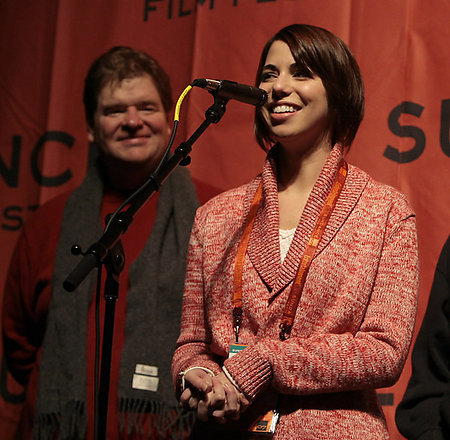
(28, 294)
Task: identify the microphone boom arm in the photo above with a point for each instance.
(98, 251)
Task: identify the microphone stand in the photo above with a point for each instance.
(108, 251)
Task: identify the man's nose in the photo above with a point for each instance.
(132, 118)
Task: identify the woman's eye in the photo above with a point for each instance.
(267, 75)
(302, 72)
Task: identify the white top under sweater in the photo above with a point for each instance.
(286, 237)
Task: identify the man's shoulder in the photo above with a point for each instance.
(48, 216)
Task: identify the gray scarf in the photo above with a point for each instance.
(152, 323)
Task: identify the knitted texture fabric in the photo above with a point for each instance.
(355, 319)
(153, 301)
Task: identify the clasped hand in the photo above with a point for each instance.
(212, 396)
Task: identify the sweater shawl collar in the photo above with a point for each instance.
(264, 246)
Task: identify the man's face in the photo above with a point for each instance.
(130, 123)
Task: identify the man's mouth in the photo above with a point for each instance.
(134, 140)
(134, 136)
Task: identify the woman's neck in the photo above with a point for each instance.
(297, 175)
(299, 171)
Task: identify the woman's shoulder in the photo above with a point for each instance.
(225, 199)
(225, 206)
(381, 195)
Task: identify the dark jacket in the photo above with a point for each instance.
(424, 412)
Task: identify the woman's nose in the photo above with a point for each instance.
(282, 85)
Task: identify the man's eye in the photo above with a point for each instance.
(113, 112)
(147, 109)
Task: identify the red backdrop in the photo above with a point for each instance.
(47, 47)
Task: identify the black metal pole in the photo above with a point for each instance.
(108, 251)
(114, 264)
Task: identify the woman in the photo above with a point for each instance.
(311, 268)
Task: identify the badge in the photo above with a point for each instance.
(263, 424)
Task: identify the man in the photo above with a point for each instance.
(127, 99)
(424, 412)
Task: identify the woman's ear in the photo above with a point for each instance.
(91, 134)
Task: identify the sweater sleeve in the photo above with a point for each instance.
(423, 412)
(193, 345)
(372, 357)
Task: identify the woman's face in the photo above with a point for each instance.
(296, 111)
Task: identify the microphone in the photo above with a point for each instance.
(232, 90)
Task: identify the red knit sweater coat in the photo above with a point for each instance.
(354, 323)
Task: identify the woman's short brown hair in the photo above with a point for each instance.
(117, 64)
(328, 57)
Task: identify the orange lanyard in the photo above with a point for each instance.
(305, 263)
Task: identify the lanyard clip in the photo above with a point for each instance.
(285, 330)
(236, 331)
(237, 316)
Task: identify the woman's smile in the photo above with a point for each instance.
(296, 111)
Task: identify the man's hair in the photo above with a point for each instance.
(117, 64)
(327, 56)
